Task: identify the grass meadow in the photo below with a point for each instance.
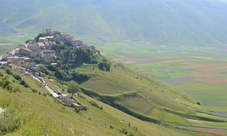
(41, 115)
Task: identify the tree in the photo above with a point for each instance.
(105, 66)
(73, 87)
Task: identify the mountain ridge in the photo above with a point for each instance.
(169, 22)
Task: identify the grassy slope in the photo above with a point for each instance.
(135, 91)
(42, 116)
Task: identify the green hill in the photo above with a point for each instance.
(30, 112)
(159, 21)
(120, 100)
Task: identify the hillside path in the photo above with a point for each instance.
(47, 87)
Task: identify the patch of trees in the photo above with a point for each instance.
(38, 61)
(85, 56)
(51, 68)
(66, 75)
(63, 75)
(105, 65)
(78, 56)
(58, 48)
(78, 77)
(43, 69)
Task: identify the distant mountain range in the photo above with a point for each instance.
(169, 22)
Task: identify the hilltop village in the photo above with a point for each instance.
(43, 49)
(49, 49)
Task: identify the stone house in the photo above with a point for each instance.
(48, 56)
(47, 53)
(43, 39)
(34, 47)
(77, 42)
(41, 45)
(16, 61)
(46, 39)
(25, 52)
(17, 68)
(50, 38)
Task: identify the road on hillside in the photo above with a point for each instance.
(51, 91)
(47, 87)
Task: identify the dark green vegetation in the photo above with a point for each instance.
(194, 22)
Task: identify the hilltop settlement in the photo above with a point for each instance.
(47, 48)
(55, 51)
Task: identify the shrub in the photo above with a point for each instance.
(10, 122)
(17, 77)
(9, 88)
(4, 83)
(105, 66)
(124, 131)
(1, 74)
(8, 71)
(17, 89)
(26, 85)
(22, 82)
(77, 109)
(34, 90)
(96, 105)
(81, 96)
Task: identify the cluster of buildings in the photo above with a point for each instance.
(21, 57)
(68, 101)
